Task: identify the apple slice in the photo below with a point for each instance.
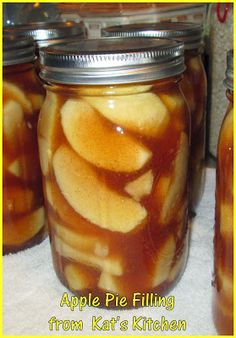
(48, 114)
(226, 219)
(181, 218)
(142, 113)
(140, 187)
(108, 283)
(91, 198)
(112, 265)
(49, 193)
(163, 261)
(121, 284)
(176, 106)
(169, 189)
(98, 143)
(79, 277)
(188, 91)
(36, 101)
(113, 89)
(45, 155)
(26, 167)
(172, 102)
(15, 168)
(12, 120)
(195, 64)
(14, 93)
(17, 200)
(93, 244)
(225, 281)
(225, 308)
(23, 229)
(162, 188)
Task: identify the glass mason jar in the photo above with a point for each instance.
(114, 136)
(23, 211)
(219, 39)
(223, 240)
(48, 33)
(193, 85)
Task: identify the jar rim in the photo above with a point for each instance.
(112, 61)
(45, 33)
(17, 50)
(191, 34)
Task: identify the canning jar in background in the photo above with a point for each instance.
(194, 87)
(114, 140)
(48, 33)
(97, 16)
(23, 211)
(218, 41)
(223, 240)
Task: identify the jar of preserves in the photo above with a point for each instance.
(48, 33)
(223, 240)
(114, 135)
(193, 85)
(23, 211)
(220, 29)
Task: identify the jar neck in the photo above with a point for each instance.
(110, 89)
(193, 52)
(23, 67)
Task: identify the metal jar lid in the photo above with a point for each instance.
(49, 33)
(17, 50)
(112, 61)
(228, 82)
(189, 33)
